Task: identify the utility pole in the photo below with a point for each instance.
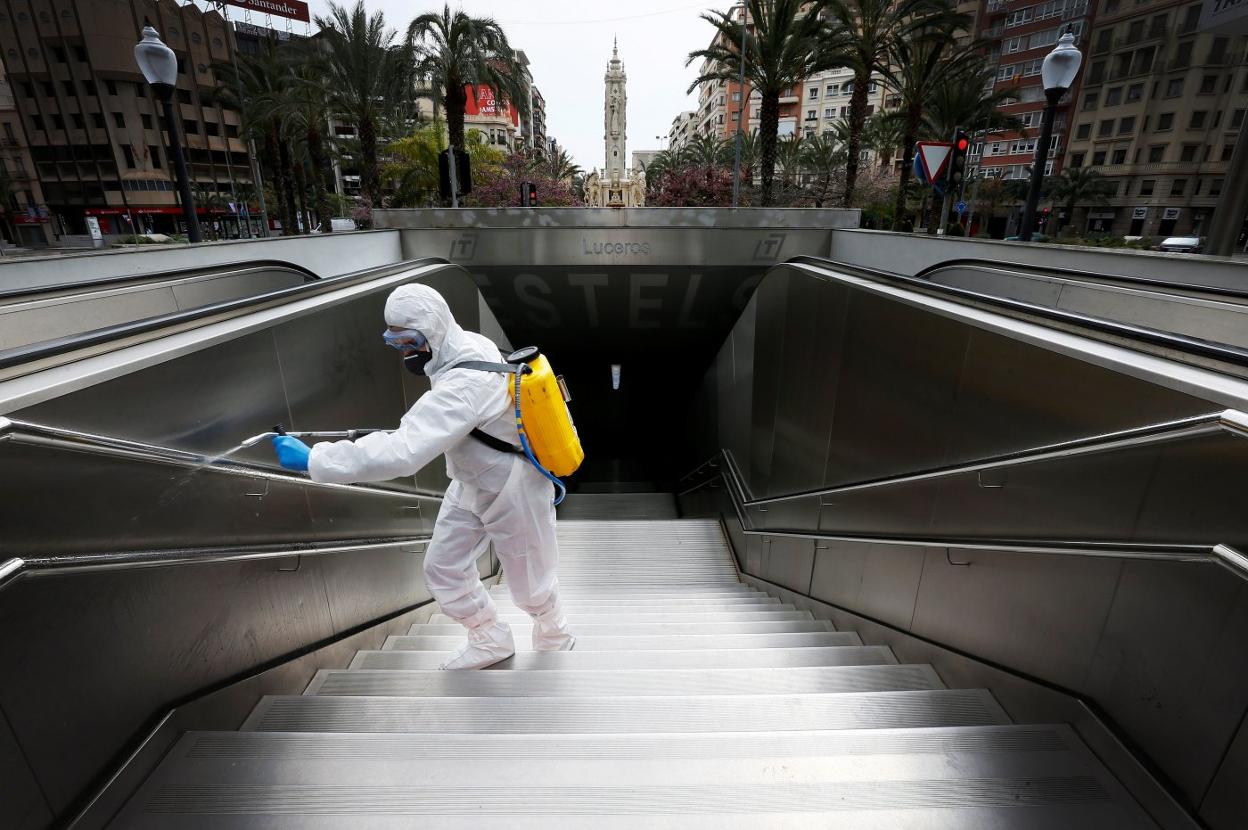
(736, 164)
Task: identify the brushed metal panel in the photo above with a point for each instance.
(812, 349)
(1197, 493)
(205, 291)
(1226, 802)
(1002, 283)
(21, 804)
(1012, 391)
(94, 657)
(771, 300)
(1038, 614)
(879, 581)
(737, 400)
(898, 394)
(903, 509)
(205, 402)
(1170, 666)
(787, 561)
(35, 322)
(358, 584)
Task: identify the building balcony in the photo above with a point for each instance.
(790, 99)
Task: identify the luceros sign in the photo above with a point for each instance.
(590, 248)
(294, 9)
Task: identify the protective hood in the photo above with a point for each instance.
(421, 308)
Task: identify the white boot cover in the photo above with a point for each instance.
(550, 631)
(486, 646)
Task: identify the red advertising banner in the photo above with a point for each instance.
(482, 101)
(294, 9)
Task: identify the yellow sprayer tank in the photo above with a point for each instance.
(545, 414)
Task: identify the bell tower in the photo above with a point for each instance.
(615, 116)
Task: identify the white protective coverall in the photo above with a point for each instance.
(493, 496)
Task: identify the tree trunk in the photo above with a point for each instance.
(908, 140)
(768, 127)
(316, 156)
(370, 183)
(273, 143)
(301, 192)
(288, 171)
(455, 102)
(934, 218)
(857, 118)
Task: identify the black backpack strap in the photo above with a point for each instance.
(496, 443)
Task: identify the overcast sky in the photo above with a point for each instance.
(569, 44)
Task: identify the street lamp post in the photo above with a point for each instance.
(1058, 73)
(159, 66)
(736, 162)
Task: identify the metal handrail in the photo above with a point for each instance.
(41, 435)
(1065, 273)
(51, 348)
(1182, 343)
(1219, 554)
(1230, 420)
(307, 274)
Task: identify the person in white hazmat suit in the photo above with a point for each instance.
(494, 496)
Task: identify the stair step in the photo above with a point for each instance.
(505, 603)
(981, 776)
(635, 642)
(694, 713)
(631, 682)
(581, 660)
(609, 629)
(580, 618)
(726, 593)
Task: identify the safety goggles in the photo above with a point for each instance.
(405, 340)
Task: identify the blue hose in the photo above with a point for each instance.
(561, 491)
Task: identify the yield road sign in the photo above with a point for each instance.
(934, 156)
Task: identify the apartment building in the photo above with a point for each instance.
(825, 100)
(1020, 33)
(1158, 116)
(25, 220)
(93, 127)
(682, 129)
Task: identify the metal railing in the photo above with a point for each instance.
(31, 434)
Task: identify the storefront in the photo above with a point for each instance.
(1101, 221)
(216, 223)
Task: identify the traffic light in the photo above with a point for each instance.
(957, 159)
(528, 194)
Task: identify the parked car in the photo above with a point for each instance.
(1182, 244)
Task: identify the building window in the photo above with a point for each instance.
(831, 90)
(59, 53)
(1135, 92)
(1114, 97)
(1083, 131)
(58, 122)
(146, 120)
(1188, 153)
(1228, 150)
(736, 96)
(79, 122)
(1105, 128)
(810, 115)
(49, 91)
(1076, 159)
(1097, 73)
(1174, 88)
(68, 86)
(1146, 187)
(1126, 125)
(128, 154)
(36, 122)
(184, 96)
(1090, 100)
(1208, 85)
(1156, 154)
(1237, 119)
(192, 127)
(1120, 156)
(212, 128)
(814, 92)
(1217, 118)
(231, 131)
(153, 155)
(97, 118)
(1165, 121)
(1098, 158)
(1215, 187)
(1177, 187)
(1182, 56)
(829, 112)
(1198, 119)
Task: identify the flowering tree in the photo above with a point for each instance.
(500, 186)
(693, 187)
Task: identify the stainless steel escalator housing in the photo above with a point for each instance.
(144, 591)
(975, 485)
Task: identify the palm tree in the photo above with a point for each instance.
(789, 155)
(784, 45)
(303, 110)
(455, 51)
(366, 76)
(560, 166)
(920, 63)
(663, 162)
(824, 157)
(863, 36)
(965, 98)
(883, 134)
(749, 155)
(1076, 185)
(704, 151)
